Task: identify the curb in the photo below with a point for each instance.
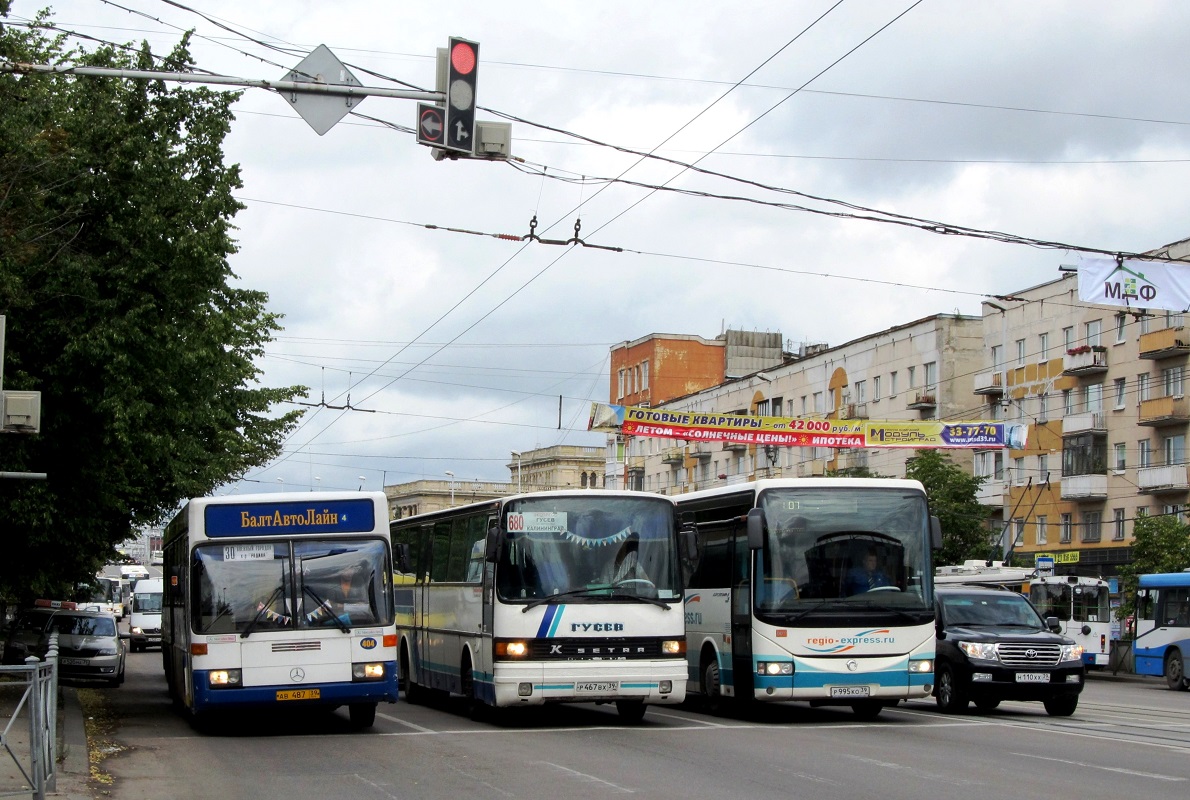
(74, 758)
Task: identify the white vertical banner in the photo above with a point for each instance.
(1138, 284)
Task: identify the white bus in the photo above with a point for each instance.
(1083, 607)
(1163, 627)
(980, 573)
(812, 589)
(280, 600)
(543, 597)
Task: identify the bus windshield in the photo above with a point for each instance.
(833, 546)
(310, 583)
(588, 549)
(1071, 602)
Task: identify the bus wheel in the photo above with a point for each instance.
(867, 710)
(476, 710)
(362, 714)
(631, 710)
(1175, 671)
(711, 688)
(413, 693)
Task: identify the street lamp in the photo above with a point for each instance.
(317, 483)
(362, 479)
(282, 482)
(451, 475)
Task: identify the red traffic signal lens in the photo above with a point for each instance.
(462, 58)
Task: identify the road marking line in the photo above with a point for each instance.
(1153, 775)
(406, 723)
(589, 778)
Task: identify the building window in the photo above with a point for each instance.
(1175, 450)
(990, 464)
(931, 376)
(620, 385)
(804, 408)
(1018, 469)
(1019, 539)
(1120, 323)
(1068, 338)
(1020, 352)
(1043, 347)
(892, 384)
(1146, 322)
(1171, 381)
(644, 376)
(997, 357)
(861, 391)
(1067, 402)
(1120, 457)
(1118, 385)
(876, 388)
(1092, 526)
(1142, 388)
(1043, 467)
(1093, 397)
(1042, 532)
(1084, 454)
(1043, 407)
(1094, 332)
(818, 402)
(1064, 529)
(1117, 525)
(1144, 454)
(778, 406)
(912, 377)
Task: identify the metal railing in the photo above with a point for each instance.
(34, 751)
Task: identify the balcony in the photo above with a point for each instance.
(1084, 488)
(991, 493)
(636, 464)
(1162, 411)
(854, 411)
(923, 401)
(1086, 422)
(701, 450)
(735, 447)
(674, 456)
(1091, 362)
(1159, 480)
(808, 469)
(989, 383)
(1165, 343)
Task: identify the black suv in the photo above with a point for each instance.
(993, 646)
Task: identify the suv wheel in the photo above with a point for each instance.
(1061, 706)
(949, 696)
(1175, 671)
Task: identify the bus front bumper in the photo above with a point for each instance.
(516, 684)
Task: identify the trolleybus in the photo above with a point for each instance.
(544, 597)
(280, 600)
(975, 572)
(781, 605)
(1163, 627)
(1083, 607)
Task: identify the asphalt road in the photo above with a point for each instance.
(1128, 738)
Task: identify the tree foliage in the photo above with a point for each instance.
(115, 233)
(1160, 544)
(952, 494)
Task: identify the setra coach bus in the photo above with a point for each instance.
(280, 601)
(544, 597)
(814, 589)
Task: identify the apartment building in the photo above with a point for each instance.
(920, 370)
(1101, 388)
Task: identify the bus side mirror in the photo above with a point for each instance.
(935, 533)
(401, 557)
(755, 528)
(688, 544)
(492, 552)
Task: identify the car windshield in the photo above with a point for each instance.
(984, 610)
(148, 602)
(76, 625)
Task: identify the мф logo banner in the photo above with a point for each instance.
(1138, 284)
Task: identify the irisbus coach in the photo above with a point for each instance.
(812, 589)
(280, 601)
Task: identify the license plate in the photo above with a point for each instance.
(1032, 677)
(851, 691)
(298, 694)
(596, 687)
(73, 662)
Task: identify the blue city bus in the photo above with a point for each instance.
(1163, 627)
(280, 601)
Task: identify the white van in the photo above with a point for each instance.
(144, 624)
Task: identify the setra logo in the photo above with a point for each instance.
(368, 643)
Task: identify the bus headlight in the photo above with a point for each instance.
(1072, 652)
(225, 678)
(921, 665)
(673, 647)
(774, 667)
(511, 649)
(367, 672)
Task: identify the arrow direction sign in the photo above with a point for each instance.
(321, 112)
(431, 124)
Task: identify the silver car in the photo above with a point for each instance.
(89, 644)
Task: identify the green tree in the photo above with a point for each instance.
(1160, 544)
(115, 230)
(953, 500)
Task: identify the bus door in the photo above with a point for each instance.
(488, 552)
(741, 614)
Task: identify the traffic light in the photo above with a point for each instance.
(462, 69)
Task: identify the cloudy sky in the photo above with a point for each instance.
(1065, 123)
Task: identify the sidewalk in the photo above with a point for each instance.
(74, 765)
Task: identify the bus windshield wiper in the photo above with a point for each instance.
(340, 624)
(260, 611)
(640, 598)
(900, 611)
(569, 593)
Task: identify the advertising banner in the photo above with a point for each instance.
(801, 432)
(1137, 284)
